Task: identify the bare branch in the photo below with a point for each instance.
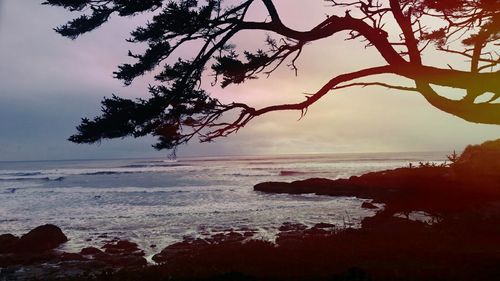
(366, 84)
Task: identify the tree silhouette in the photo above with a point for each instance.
(179, 109)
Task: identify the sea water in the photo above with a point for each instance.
(160, 201)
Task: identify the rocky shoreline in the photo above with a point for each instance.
(36, 255)
(460, 241)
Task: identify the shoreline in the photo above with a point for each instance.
(460, 242)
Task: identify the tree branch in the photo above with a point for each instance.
(404, 23)
(385, 85)
(247, 114)
(272, 11)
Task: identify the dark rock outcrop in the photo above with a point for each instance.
(123, 248)
(192, 245)
(323, 225)
(90, 251)
(119, 254)
(33, 247)
(37, 241)
(8, 243)
(186, 247)
(472, 180)
(72, 257)
(34, 254)
(41, 239)
(287, 226)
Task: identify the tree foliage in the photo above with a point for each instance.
(179, 110)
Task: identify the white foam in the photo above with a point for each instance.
(154, 203)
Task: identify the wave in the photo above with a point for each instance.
(291, 173)
(109, 173)
(60, 174)
(25, 174)
(152, 165)
(20, 174)
(10, 190)
(246, 175)
(31, 178)
(164, 161)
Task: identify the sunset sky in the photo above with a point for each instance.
(47, 83)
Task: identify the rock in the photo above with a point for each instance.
(32, 248)
(296, 187)
(324, 225)
(7, 243)
(33, 252)
(287, 226)
(231, 237)
(90, 251)
(368, 205)
(293, 233)
(41, 239)
(287, 238)
(249, 234)
(121, 260)
(123, 247)
(180, 249)
(317, 231)
(472, 180)
(72, 257)
(118, 254)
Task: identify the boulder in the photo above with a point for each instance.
(40, 239)
(231, 237)
(180, 250)
(123, 247)
(90, 251)
(121, 261)
(313, 185)
(120, 254)
(288, 226)
(322, 225)
(72, 257)
(7, 243)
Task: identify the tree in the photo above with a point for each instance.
(179, 109)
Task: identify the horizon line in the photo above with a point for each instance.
(224, 155)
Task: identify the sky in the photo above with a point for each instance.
(48, 83)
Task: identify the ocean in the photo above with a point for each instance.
(159, 201)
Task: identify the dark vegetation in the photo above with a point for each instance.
(179, 109)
